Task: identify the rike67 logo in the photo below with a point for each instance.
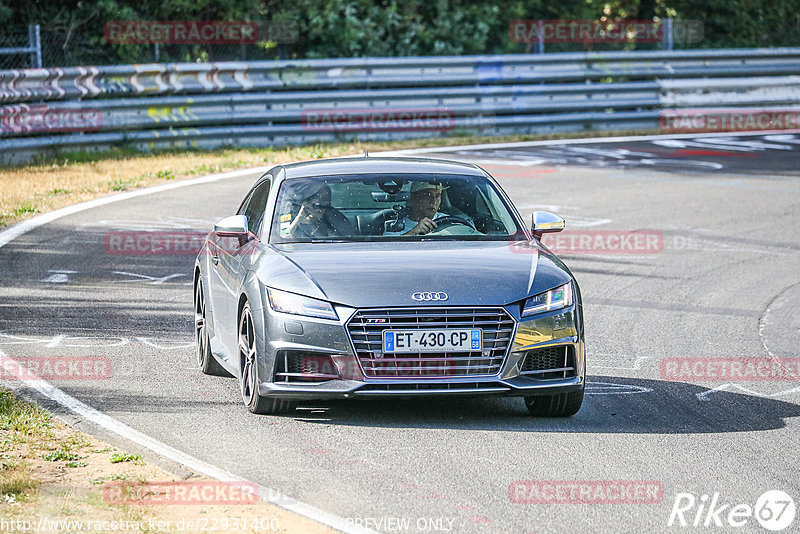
(774, 510)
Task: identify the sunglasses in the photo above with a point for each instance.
(318, 204)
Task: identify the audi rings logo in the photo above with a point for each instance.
(424, 296)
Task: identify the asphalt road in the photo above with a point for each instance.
(723, 285)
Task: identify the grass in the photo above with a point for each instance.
(61, 455)
(22, 417)
(20, 422)
(16, 483)
(23, 209)
(118, 457)
(110, 478)
(71, 177)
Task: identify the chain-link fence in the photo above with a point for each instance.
(20, 48)
(136, 42)
(36, 47)
(32, 47)
(60, 49)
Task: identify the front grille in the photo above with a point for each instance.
(549, 362)
(366, 328)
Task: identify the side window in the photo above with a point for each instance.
(244, 203)
(254, 207)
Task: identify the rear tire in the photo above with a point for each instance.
(248, 366)
(558, 405)
(205, 360)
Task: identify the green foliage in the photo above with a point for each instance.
(61, 454)
(23, 209)
(118, 457)
(353, 28)
(744, 23)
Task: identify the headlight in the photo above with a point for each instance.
(557, 298)
(284, 302)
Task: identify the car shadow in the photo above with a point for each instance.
(612, 404)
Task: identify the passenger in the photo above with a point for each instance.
(311, 215)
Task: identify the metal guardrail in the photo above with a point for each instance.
(269, 103)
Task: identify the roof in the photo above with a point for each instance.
(377, 165)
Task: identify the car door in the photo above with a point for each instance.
(234, 255)
(221, 294)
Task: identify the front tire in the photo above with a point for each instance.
(205, 361)
(248, 366)
(558, 405)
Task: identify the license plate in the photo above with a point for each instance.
(432, 340)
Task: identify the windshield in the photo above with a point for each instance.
(382, 207)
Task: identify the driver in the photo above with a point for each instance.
(422, 209)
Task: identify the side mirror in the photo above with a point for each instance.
(233, 226)
(544, 222)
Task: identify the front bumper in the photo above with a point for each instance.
(561, 328)
(348, 389)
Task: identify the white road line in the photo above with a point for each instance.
(609, 388)
(549, 142)
(58, 276)
(55, 341)
(703, 395)
(269, 495)
(145, 341)
(152, 280)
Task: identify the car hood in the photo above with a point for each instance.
(379, 274)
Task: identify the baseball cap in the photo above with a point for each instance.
(419, 186)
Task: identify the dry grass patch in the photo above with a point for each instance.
(37, 188)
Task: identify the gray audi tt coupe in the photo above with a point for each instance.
(381, 277)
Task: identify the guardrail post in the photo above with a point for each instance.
(539, 45)
(667, 39)
(35, 45)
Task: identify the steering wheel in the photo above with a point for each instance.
(453, 219)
